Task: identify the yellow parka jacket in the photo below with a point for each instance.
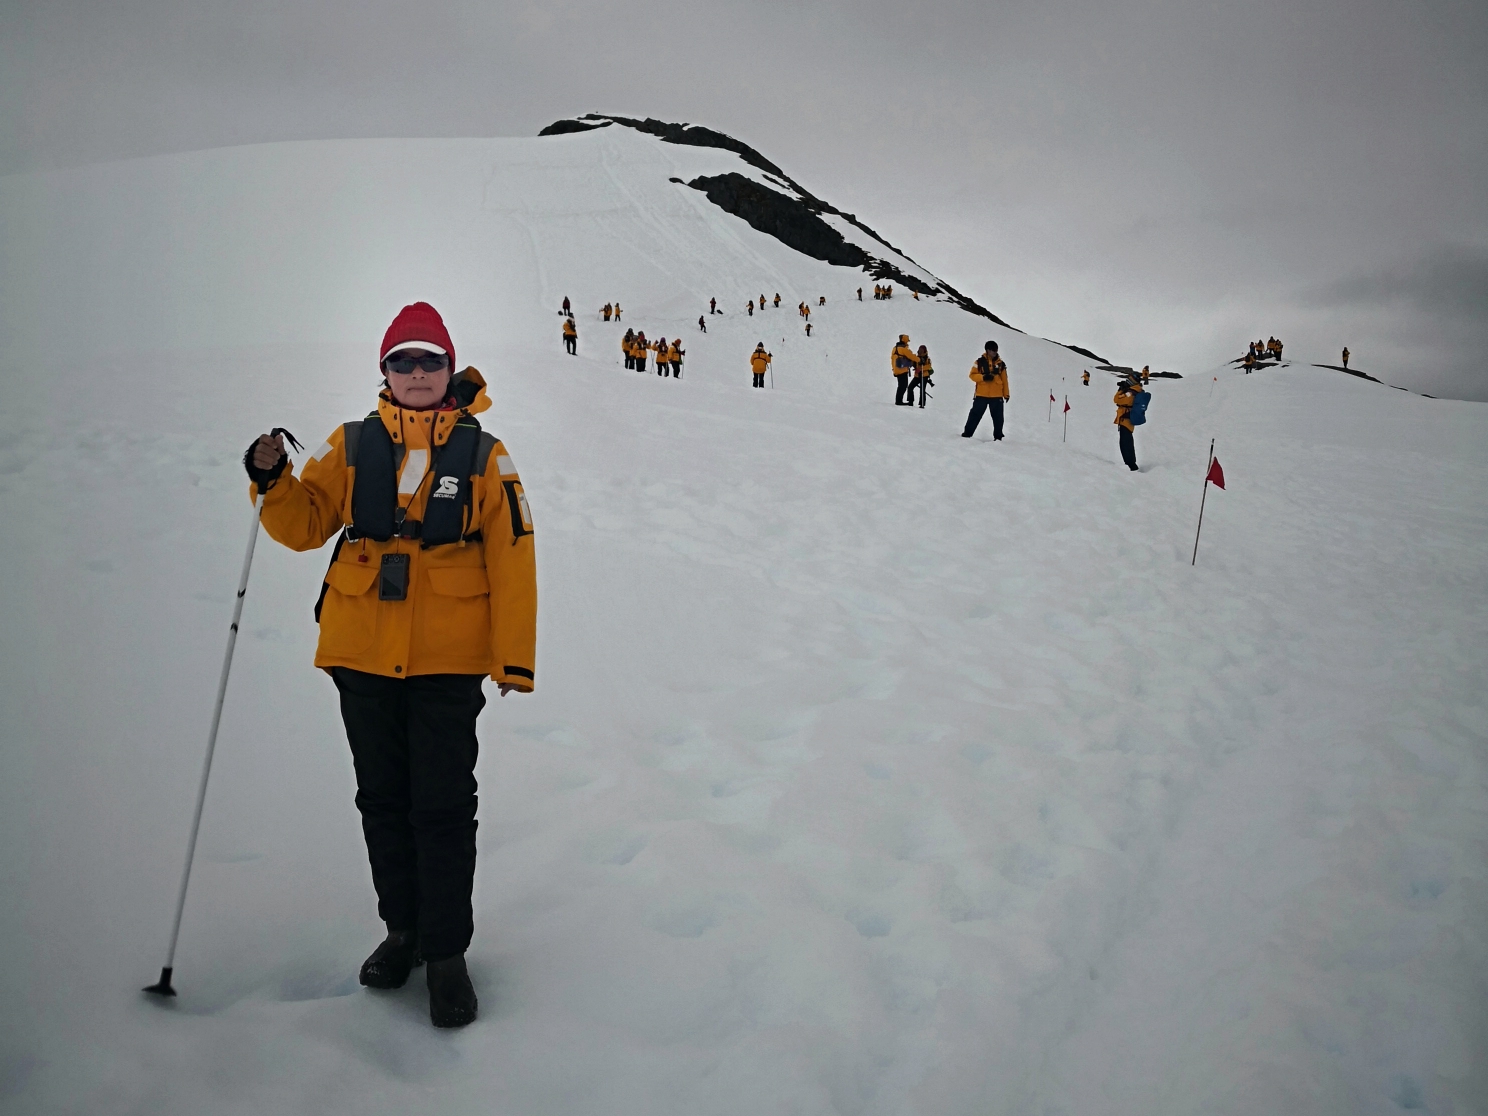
(903, 359)
(994, 386)
(471, 607)
(569, 329)
(1123, 399)
(759, 360)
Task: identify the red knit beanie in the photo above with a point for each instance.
(418, 325)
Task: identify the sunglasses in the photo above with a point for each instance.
(403, 364)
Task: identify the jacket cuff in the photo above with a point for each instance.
(520, 677)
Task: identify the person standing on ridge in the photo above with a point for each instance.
(702, 325)
(1126, 395)
(759, 362)
(860, 294)
(1146, 374)
(432, 588)
(991, 377)
(570, 337)
(567, 310)
(627, 346)
(1085, 378)
(617, 311)
(902, 363)
(1345, 358)
(923, 371)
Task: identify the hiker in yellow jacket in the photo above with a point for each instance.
(627, 347)
(432, 589)
(759, 362)
(1085, 378)
(904, 363)
(1126, 395)
(923, 371)
(990, 375)
(570, 337)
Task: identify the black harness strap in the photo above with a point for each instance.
(375, 513)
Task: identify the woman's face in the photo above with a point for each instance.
(417, 378)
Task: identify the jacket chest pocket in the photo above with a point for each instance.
(348, 622)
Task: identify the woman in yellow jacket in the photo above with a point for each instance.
(991, 377)
(924, 370)
(432, 588)
(1126, 395)
(903, 362)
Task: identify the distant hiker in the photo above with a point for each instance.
(1252, 353)
(889, 291)
(823, 301)
(675, 353)
(642, 347)
(1345, 357)
(1249, 362)
(916, 295)
(617, 311)
(424, 599)
(751, 307)
(607, 311)
(702, 325)
(808, 329)
(663, 367)
(991, 377)
(860, 294)
(567, 310)
(1085, 379)
(570, 337)
(924, 370)
(712, 306)
(1146, 374)
(1126, 398)
(759, 362)
(903, 363)
(627, 346)
(777, 300)
(1278, 350)
(762, 302)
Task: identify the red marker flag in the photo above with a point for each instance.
(1216, 474)
(1066, 407)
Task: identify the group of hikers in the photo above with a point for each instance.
(637, 349)
(879, 292)
(609, 308)
(912, 369)
(1261, 351)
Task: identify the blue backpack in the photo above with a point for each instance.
(1137, 413)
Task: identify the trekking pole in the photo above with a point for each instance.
(163, 986)
(1195, 560)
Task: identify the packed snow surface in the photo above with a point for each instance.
(870, 769)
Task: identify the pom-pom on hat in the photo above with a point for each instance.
(418, 326)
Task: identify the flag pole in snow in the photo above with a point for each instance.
(1215, 475)
(163, 986)
(1066, 420)
(1051, 408)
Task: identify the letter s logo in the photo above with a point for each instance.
(449, 487)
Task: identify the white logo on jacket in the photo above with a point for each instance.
(448, 487)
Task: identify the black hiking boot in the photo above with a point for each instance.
(391, 962)
(452, 1000)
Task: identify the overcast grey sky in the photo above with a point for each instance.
(1159, 179)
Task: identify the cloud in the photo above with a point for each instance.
(1450, 281)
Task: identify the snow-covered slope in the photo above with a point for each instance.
(871, 770)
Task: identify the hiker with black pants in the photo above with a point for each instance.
(903, 363)
(1125, 398)
(990, 375)
(432, 589)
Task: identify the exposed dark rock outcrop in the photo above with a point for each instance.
(566, 127)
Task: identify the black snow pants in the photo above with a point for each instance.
(1128, 447)
(572, 345)
(901, 389)
(640, 362)
(978, 405)
(414, 748)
